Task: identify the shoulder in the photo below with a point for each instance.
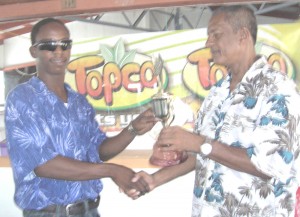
(284, 92)
(21, 91)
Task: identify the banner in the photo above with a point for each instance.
(117, 73)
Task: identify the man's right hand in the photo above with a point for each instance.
(123, 177)
(143, 177)
(148, 178)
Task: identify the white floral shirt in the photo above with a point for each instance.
(261, 115)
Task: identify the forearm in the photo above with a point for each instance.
(69, 169)
(114, 145)
(235, 158)
(169, 173)
(139, 126)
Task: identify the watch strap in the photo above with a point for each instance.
(131, 129)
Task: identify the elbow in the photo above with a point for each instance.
(104, 158)
(104, 155)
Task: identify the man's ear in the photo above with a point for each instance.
(244, 33)
(32, 51)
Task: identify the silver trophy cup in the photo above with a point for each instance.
(163, 109)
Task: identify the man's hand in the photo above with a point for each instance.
(148, 178)
(144, 122)
(143, 177)
(176, 138)
(123, 177)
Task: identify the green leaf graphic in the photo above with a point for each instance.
(117, 54)
(107, 53)
(127, 58)
(119, 51)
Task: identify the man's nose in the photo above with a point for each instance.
(208, 42)
(58, 49)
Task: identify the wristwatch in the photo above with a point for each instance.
(131, 129)
(206, 148)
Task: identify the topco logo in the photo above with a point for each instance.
(119, 80)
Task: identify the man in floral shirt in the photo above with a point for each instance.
(245, 146)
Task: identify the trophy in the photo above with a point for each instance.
(163, 109)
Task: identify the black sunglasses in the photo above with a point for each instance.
(52, 45)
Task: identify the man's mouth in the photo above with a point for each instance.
(58, 61)
(215, 52)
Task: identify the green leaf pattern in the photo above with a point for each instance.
(117, 54)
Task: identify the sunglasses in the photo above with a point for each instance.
(52, 45)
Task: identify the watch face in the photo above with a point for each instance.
(206, 149)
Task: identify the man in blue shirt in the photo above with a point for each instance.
(55, 145)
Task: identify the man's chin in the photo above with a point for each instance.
(218, 61)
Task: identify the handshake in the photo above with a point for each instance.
(178, 139)
(134, 185)
(137, 184)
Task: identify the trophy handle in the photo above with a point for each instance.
(171, 113)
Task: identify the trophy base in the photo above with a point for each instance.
(167, 158)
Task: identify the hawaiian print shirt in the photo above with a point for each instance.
(261, 115)
(39, 127)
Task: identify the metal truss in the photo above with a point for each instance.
(185, 17)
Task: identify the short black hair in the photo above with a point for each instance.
(239, 16)
(36, 28)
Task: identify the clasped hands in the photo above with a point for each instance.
(138, 185)
(177, 138)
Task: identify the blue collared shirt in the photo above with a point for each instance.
(40, 126)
